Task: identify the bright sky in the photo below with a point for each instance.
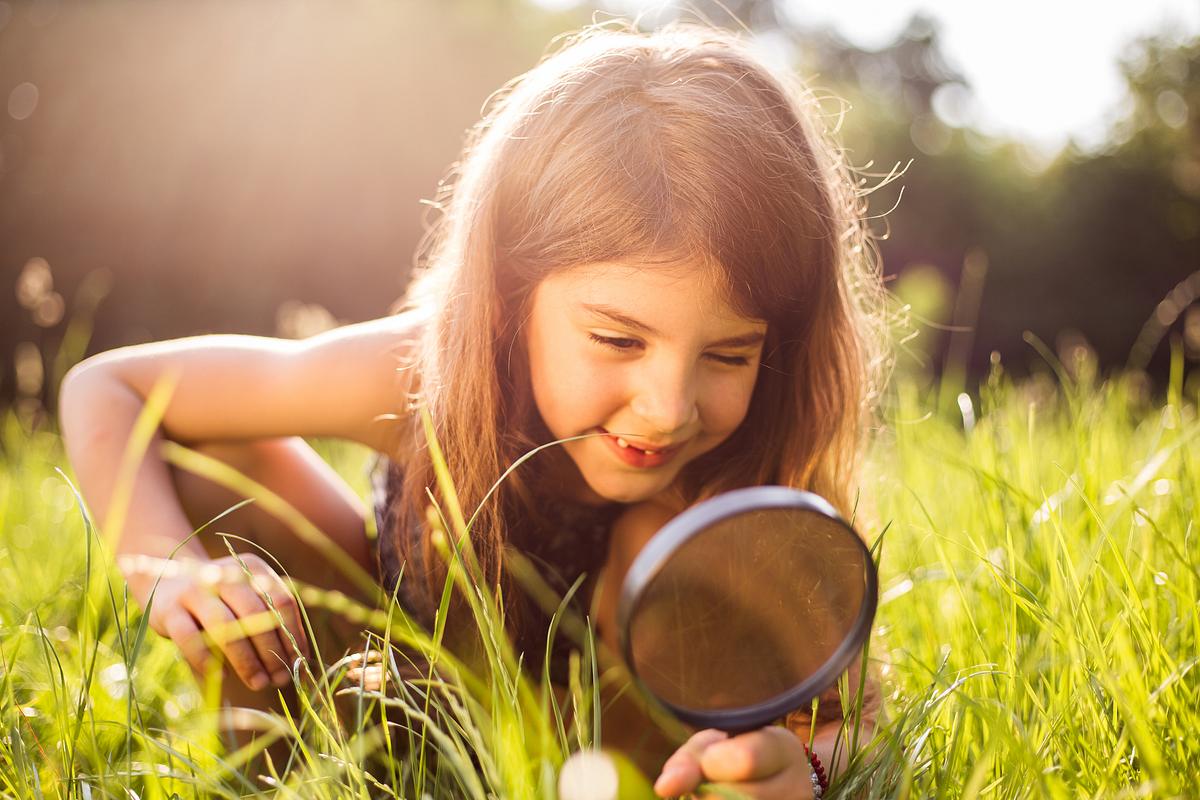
(1040, 70)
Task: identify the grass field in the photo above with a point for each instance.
(1039, 629)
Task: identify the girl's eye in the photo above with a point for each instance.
(614, 343)
(625, 345)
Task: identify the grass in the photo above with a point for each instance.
(1038, 633)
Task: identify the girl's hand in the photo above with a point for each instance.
(198, 604)
(366, 672)
(768, 764)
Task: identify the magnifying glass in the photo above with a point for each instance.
(747, 606)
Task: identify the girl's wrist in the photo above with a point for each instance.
(142, 572)
(820, 781)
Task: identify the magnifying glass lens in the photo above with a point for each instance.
(747, 609)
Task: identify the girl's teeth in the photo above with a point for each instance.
(626, 444)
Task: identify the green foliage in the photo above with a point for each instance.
(1040, 605)
(92, 703)
(1037, 633)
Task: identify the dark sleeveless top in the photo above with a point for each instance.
(573, 543)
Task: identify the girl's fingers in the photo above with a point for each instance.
(223, 626)
(268, 641)
(754, 756)
(263, 579)
(370, 678)
(768, 764)
(186, 634)
(359, 659)
(682, 774)
(289, 610)
(787, 785)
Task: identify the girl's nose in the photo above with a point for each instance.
(666, 403)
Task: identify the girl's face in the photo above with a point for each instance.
(648, 355)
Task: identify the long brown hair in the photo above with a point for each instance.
(672, 147)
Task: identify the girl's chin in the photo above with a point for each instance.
(597, 484)
(622, 489)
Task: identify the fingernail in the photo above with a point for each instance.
(668, 777)
(281, 679)
(258, 682)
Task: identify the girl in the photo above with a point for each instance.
(648, 242)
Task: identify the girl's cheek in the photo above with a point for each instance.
(604, 375)
(731, 399)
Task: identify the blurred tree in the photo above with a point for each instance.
(298, 157)
(1164, 80)
(1085, 249)
(1128, 222)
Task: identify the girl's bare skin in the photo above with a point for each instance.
(245, 401)
(650, 243)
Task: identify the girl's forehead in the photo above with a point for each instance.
(651, 290)
(630, 278)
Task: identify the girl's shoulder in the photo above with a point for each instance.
(371, 367)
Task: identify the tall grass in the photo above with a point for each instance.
(1041, 596)
(1038, 631)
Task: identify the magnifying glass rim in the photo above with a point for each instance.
(697, 519)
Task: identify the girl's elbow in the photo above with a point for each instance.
(82, 392)
(70, 391)
(83, 372)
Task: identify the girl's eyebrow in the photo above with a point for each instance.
(612, 314)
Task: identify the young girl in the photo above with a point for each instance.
(649, 239)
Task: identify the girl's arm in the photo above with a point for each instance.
(344, 383)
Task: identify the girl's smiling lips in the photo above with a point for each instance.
(635, 452)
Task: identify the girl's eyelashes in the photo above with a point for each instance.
(625, 345)
(615, 343)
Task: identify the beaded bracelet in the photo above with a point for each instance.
(820, 781)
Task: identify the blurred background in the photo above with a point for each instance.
(172, 168)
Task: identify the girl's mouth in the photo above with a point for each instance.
(638, 457)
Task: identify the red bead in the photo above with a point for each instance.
(818, 768)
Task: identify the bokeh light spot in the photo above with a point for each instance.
(954, 104)
(30, 370)
(297, 320)
(34, 283)
(1191, 331)
(49, 312)
(1165, 312)
(1171, 108)
(22, 101)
